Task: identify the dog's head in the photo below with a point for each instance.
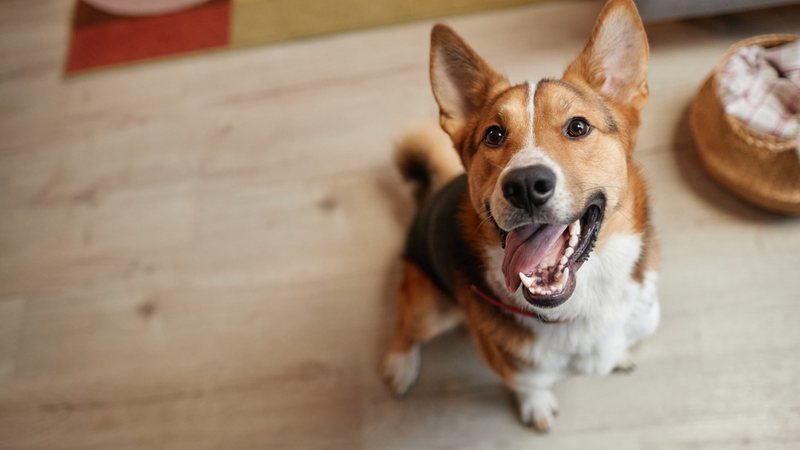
(546, 160)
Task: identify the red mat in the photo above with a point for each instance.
(102, 39)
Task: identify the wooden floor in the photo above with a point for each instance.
(202, 253)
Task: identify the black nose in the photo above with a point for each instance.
(529, 187)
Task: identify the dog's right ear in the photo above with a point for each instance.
(461, 80)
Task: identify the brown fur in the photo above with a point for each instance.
(423, 311)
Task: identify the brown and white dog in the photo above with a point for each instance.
(543, 246)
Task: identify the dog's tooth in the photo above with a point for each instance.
(573, 240)
(527, 281)
(563, 260)
(566, 273)
(576, 228)
(568, 252)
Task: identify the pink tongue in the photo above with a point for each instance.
(526, 247)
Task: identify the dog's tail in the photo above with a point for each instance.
(425, 156)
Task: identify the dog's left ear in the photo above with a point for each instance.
(614, 61)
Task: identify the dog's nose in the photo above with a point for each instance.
(529, 187)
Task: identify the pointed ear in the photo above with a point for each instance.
(460, 79)
(614, 61)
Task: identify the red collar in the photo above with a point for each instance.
(511, 308)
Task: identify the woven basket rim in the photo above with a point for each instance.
(743, 175)
(752, 137)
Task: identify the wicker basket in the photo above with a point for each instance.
(759, 168)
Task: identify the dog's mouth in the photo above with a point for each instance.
(545, 257)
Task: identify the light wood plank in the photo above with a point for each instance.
(202, 253)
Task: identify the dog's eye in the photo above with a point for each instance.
(577, 127)
(494, 136)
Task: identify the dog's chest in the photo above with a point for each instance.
(594, 340)
(584, 346)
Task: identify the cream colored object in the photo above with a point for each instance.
(759, 168)
(142, 7)
(761, 87)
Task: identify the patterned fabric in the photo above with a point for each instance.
(761, 87)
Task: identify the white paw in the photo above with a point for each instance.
(538, 408)
(604, 359)
(626, 365)
(400, 370)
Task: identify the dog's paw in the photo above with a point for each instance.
(400, 370)
(626, 365)
(538, 409)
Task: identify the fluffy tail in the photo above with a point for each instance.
(425, 156)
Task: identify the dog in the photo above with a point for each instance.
(535, 231)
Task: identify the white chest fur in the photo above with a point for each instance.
(608, 312)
